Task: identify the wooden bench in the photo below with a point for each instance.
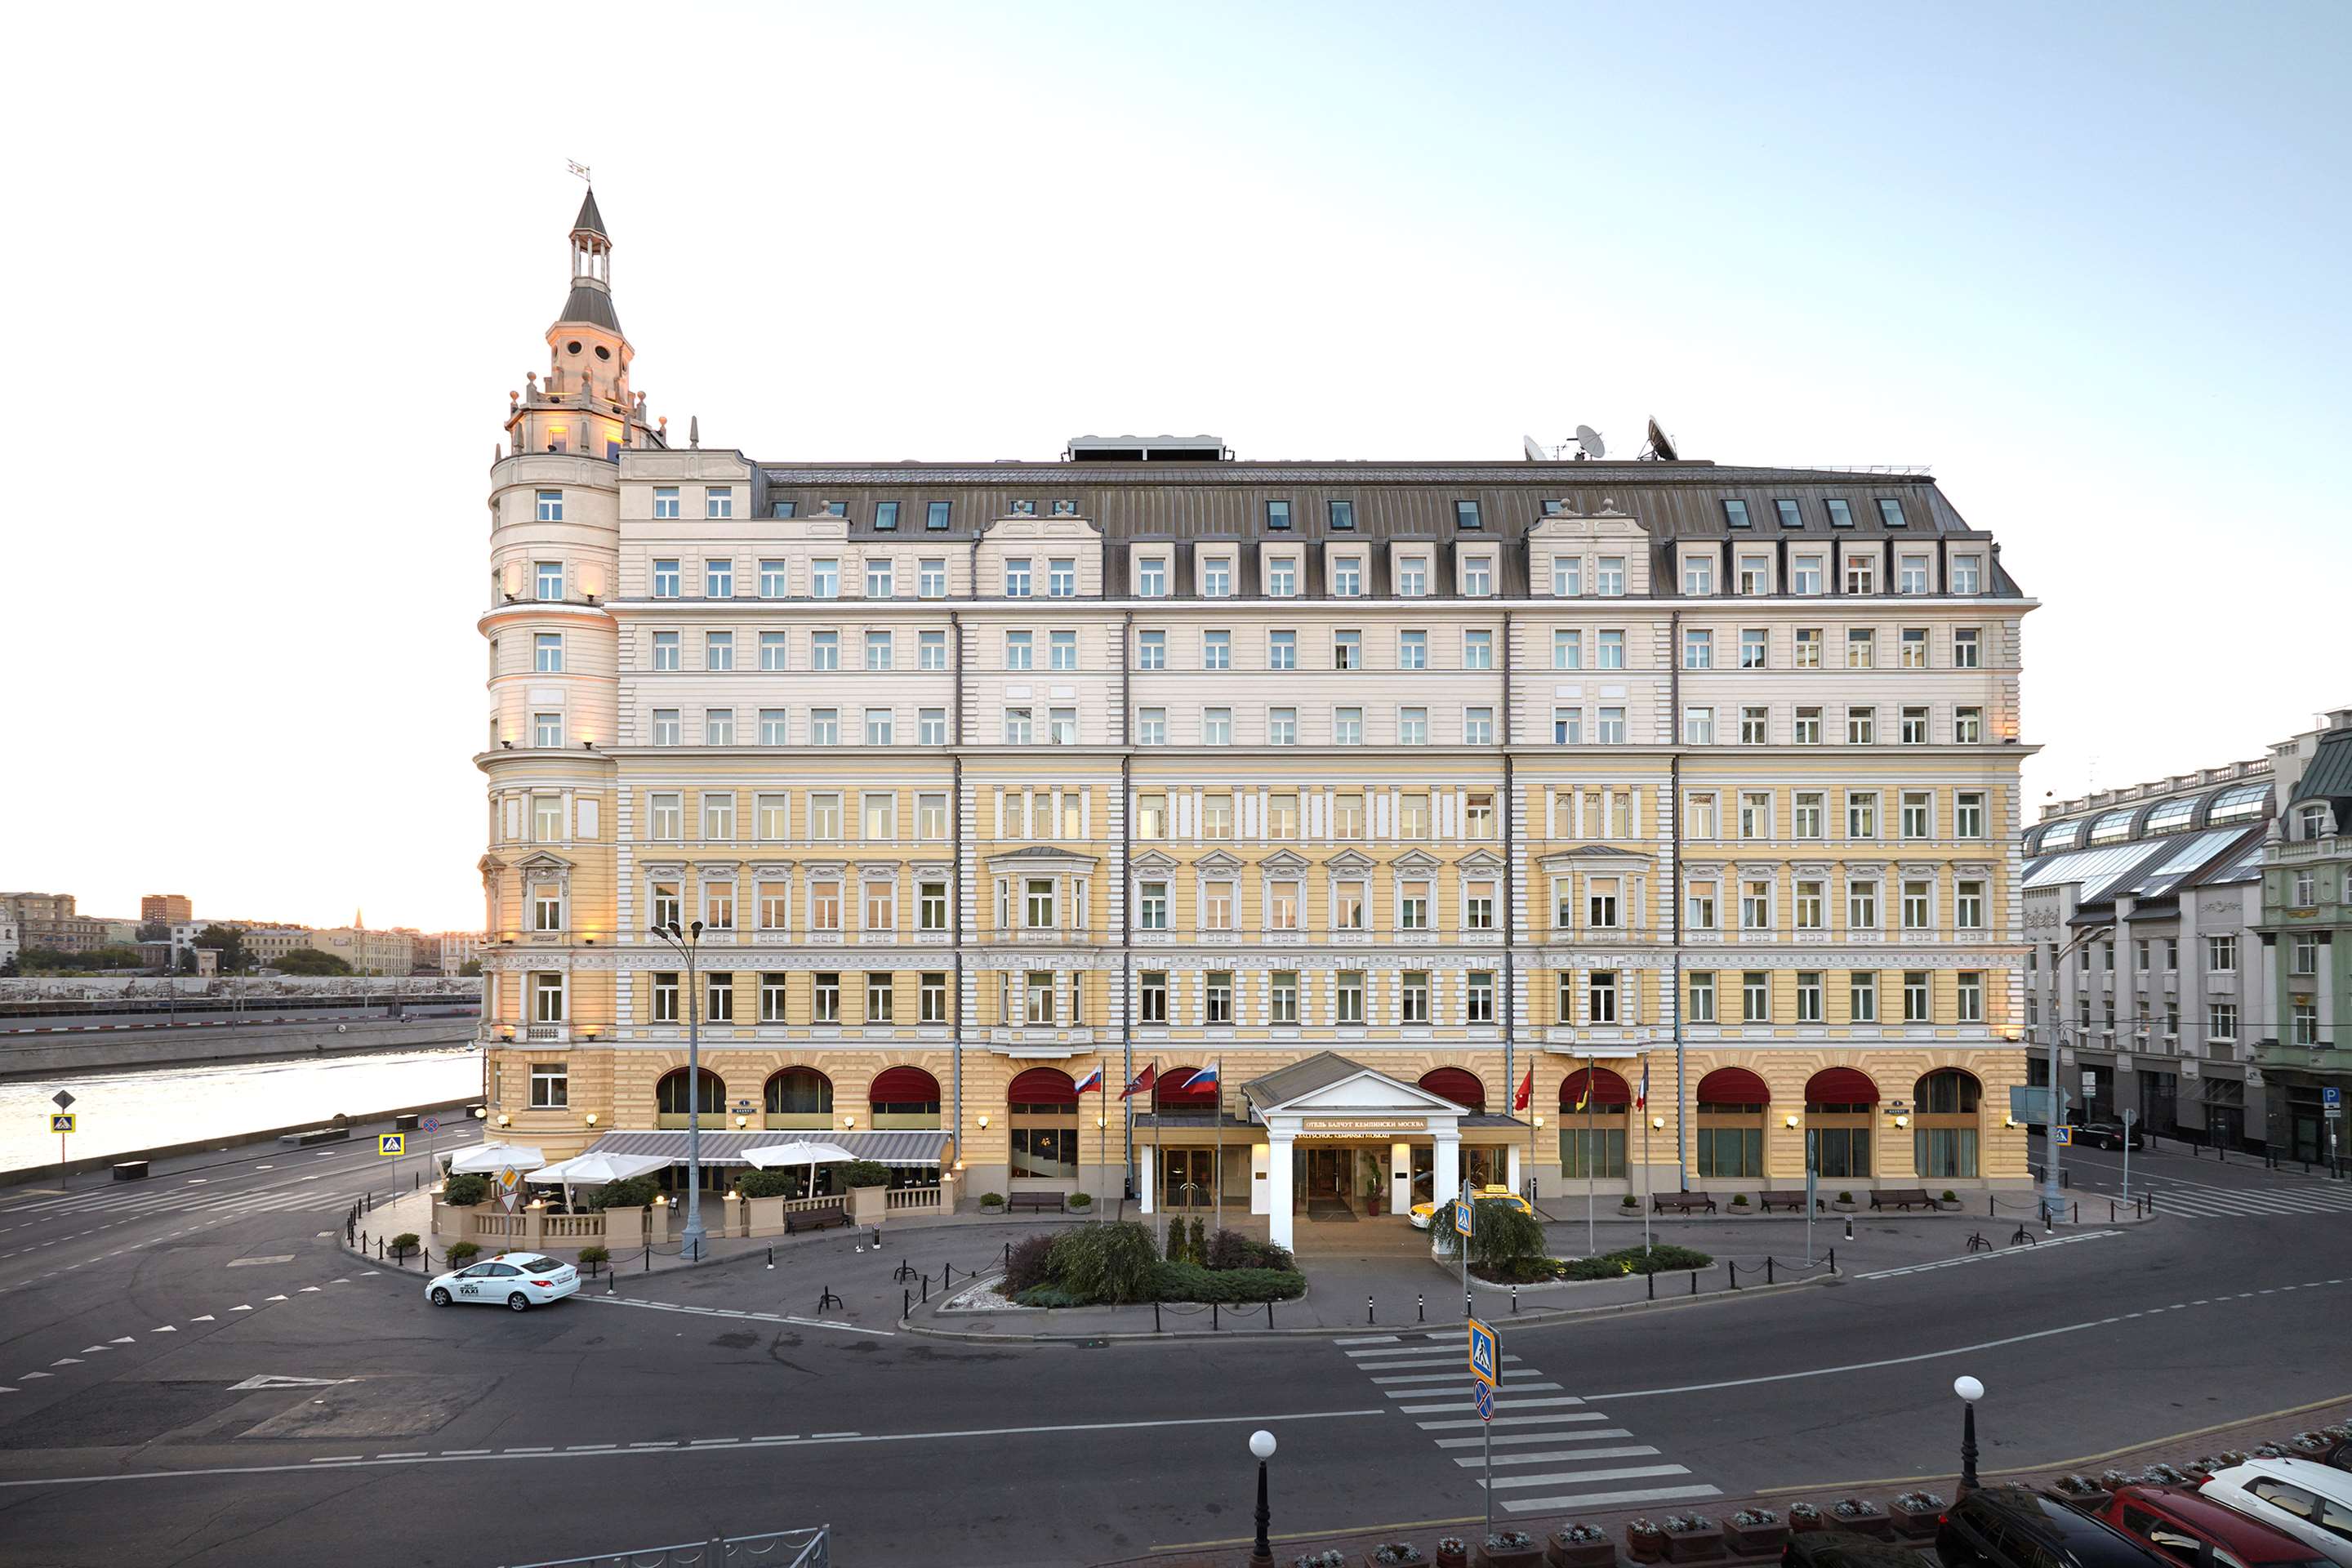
(1902, 1198)
(1042, 1203)
(798, 1220)
(1789, 1198)
(1682, 1203)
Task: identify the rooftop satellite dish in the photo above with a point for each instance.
(1589, 441)
(1662, 446)
(1534, 449)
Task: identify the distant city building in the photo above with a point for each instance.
(165, 909)
(456, 949)
(47, 922)
(368, 951)
(268, 944)
(9, 943)
(2306, 1049)
(120, 933)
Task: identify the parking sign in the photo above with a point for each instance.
(1484, 1397)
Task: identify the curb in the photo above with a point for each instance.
(1553, 1317)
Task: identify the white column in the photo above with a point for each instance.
(1445, 1172)
(1146, 1183)
(1400, 1178)
(1511, 1165)
(1261, 1179)
(1278, 1195)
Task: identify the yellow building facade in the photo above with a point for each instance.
(1437, 807)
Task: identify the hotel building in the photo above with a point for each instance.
(1391, 789)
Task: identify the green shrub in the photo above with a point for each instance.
(1231, 1250)
(464, 1190)
(1504, 1241)
(992, 1200)
(1950, 1196)
(866, 1173)
(769, 1184)
(1110, 1262)
(592, 1256)
(404, 1244)
(636, 1193)
(1176, 1242)
(1196, 1246)
(1845, 1197)
(1665, 1260)
(1190, 1282)
(1739, 1200)
(1048, 1296)
(1080, 1199)
(1029, 1264)
(463, 1252)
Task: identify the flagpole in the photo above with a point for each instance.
(1218, 1170)
(1645, 1156)
(1590, 1249)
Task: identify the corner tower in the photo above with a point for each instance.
(585, 405)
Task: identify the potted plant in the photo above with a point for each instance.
(1389, 1551)
(1580, 1546)
(1644, 1542)
(2163, 1475)
(989, 1201)
(1863, 1517)
(592, 1258)
(1510, 1549)
(1951, 1200)
(1755, 1532)
(1331, 1558)
(2310, 1442)
(463, 1252)
(404, 1244)
(1452, 1551)
(1739, 1202)
(1692, 1538)
(1804, 1516)
(1917, 1514)
(1844, 1202)
(1629, 1203)
(2081, 1491)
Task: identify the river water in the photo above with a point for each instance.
(122, 1113)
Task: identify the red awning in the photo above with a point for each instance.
(903, 1085)
(1733, 1086)
(1840, 1085)
(1464, 1088)
(1042, 1085)
(1608, 1091)
(1169, 1090)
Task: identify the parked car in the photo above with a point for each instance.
(2307, 1500)
(2011, 1527)
(515, 1281)
(1844, 1548)
(2180, 1522)
(1420, 1212)
(2108, 1135)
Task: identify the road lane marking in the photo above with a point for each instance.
(1631, 1451)
(1601, 1500)
(1621, 1473)
(644, 1451)
(1473, 1422)
(1595, 1435)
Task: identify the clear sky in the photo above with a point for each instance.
(271, 275)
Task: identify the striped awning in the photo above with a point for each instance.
(921, 1148)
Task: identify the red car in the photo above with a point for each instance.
(2180, 1522)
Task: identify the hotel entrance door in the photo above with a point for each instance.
(1187, 1175)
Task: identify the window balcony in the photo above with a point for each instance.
(2299, 849)
(546, 1034)
(2278, 1054)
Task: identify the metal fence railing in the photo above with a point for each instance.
(779, 1549)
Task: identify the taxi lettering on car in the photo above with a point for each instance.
(515, 1280)
(1420, 1212)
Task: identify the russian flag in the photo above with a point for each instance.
(1092, 1081)
(1203, 1078)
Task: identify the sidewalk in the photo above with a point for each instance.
(2177, 1449)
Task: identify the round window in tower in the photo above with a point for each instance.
(572, 348)
(603, 353)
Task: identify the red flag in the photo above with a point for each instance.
(1143, 1080)
(1527, 1094)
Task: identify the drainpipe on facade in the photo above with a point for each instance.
(955, 875)
(1510, 906)
(1675, 888)
(1127, 899)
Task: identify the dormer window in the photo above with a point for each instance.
(1698, 574)
(1890, 512)
(1840, 514)
(1791, 515)
(1966, 573)
(1277, 514)
(1282, 577)
(1478, 576)
(1217, 577)
(1466, 514)
(1735, 514)
(1413, 576)
(1025, 509)
(1342, 516)
(1348, 576)
(886, 517)
(776, 509)
(1553, 508)
(935, 516)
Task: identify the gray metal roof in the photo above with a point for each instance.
(589, 220)
(1303, 1077)
(725, 1148)
(591, 304)
(2329, 774)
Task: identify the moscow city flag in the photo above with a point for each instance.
(1143, 1080)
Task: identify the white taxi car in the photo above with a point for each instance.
(515, 1280)
(1422, 1212)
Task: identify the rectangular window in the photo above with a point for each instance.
(935, 515)
(1735, 514)
(1890, 512)
(547, 653)
(548, 579)
(1698, 649)
(1152, 726)
(1613, 650)
(1347, 906)
(1913, 647)
(825, 998)
(1756, 996)
(1698, 726)
(1755, 813)
(1152, 996)
(1018, 731)
(1348, 996)
(1216, 726)
(1347, 726)
(1791, 515)
(1609, 579)
(824, 906)
(1016, 579)
(1611, 730)
(1755, 905)
(2221, 1022)
(666, 645)
(550, 506)
(1477, 726)
(1861, 814)
(718, 650)
(1282, 816)
(1915, 996)
(1862, 574)
(1968, 726)
(1698, 574)
(718, 501)
(1810, 809)
(1862, 997)
(719, 726)
(773, 730)
(1917, 815)
(1217, 996)
(1700, 906)
(666, 580)
(878, 650)
(771, 817)
(1914, 726)
(1217, 577)
(668, 815)
(1413, 576)
(1282, 726)
(1809, 996)
(1567, 576)
(1807, 576)
(773, 988)
(1754, 726)
(1702, 996)
(881, 579)
(1281, 578)
(664, 998)
(719, 579)
(665, 500)
(665, 727)
(1282, 997)
(1809, 916)
(1151, 577)
(783, 508)
(1061, 578)
(1568, 726)
(547, 730)
(1917, 906)
(719, 817)
(1277, 514)
(1965, 649)
(931, 998)
(1860, 726)
(1911, 575)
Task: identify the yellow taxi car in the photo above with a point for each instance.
(1422, 1212)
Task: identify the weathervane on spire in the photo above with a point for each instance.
(578, 169)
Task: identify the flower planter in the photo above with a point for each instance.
(1754, 1541)
(1913, 1524)
(1458, 1556)
(1561, 1552)
(2089, 1498)
(1695, 1545)
(1800, 1523)
(1873, 1522)
(1645, 1546)
(1844, 1208)
(1372, 1558)
(1527, 1556)
(867, 1206)
(766, 1216)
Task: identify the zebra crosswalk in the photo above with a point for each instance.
(1547, 1450)
(2282, 1197)
(31, 1227)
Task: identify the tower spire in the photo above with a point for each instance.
(587, 404)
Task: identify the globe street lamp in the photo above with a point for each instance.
(685, 942)
(1261, 1443)
(1970, 1391)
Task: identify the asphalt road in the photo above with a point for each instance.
(231, 1017)
(478, 1436)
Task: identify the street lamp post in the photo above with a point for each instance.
(691, 1240)
(2052, 1203)
(1970, 1391)
(1262, 1555)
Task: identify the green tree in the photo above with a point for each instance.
(1504, 1240)
(229, 942)
(471, 969)
(310, 961)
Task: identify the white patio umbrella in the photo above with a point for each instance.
(492, 1158)
(809, 1155)
(595, 1169)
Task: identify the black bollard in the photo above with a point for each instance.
(1008, 1255)
(1214, 1322)
(1368, 1309)
(1767, 1268)
(649, 1258)
(1694, 1290)
(905, 1303)
(771, 1255)
(1515, 1300)
(1735, 1274)
(1155, 1316)
(947, 1275)
(1269, 1313)
(927, 1287)
(1650, 1278)
(1833, 1259)
(1419, 1309)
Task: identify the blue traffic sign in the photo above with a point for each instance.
(1485, 1398)
(1462, 1212)
(2331, 1096)
(2065, 1136)
(1486, 1356)
(431, 1124)
(391, 1145)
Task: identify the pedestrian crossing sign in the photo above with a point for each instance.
(391, 1145)
(1486, 1356)
(2065, 1137)
(61, 1122)
(1461, 1213)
